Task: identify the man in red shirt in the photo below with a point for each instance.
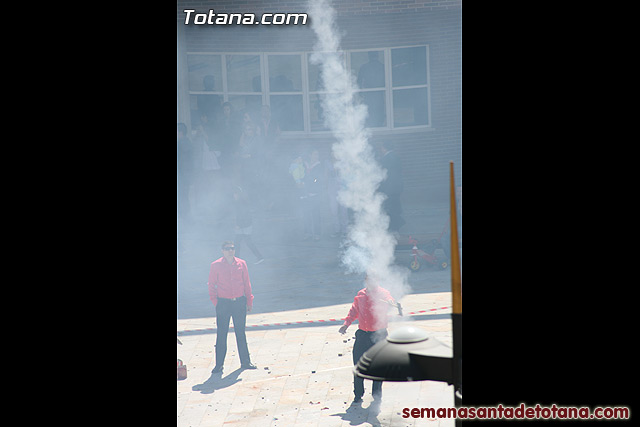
(230, 292)
(370, 306)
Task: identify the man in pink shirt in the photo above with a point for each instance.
(370, 306)
(230, 292)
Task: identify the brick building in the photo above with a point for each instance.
(416, 102)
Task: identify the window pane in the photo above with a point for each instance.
(243, 73)
(315, 79)
(410, 107)
(409, 66)
(375, 106)
(316, 112)
(205, 72)
(285, 74)
(369, 68)
(246, 104)
(209, 105)
(287, 111)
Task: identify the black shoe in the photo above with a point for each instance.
(248, 366)
(216, 369)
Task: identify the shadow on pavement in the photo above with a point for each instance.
(217, 382)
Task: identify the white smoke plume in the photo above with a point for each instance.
(370, 248)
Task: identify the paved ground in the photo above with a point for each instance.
(304, 374)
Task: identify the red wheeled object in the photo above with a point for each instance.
(432, 254)
(419, 256)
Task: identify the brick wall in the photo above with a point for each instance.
(369, 24)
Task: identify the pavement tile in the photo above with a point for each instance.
(289, 392)
(305, 363)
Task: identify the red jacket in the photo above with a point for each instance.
(370, 308)
(229, 280)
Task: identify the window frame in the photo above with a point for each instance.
(307, 93)
(268, 93)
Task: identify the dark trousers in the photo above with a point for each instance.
(225, 310)
(364, 341)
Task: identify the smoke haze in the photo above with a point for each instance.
(370, 246)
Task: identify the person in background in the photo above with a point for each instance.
(370, 306)
(249, 165)
(244, 223)
(207, 163)
(230, 291)
(186, 172)
(228, 131)
(269, 128)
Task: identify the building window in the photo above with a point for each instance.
(244, 81)
(369, 69)
(410, 86)
(205, 81)
(317, 92)
(285, 91)
(392, 82)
